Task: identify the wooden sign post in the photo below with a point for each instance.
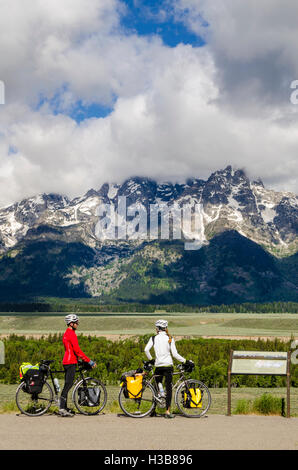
(259, 363)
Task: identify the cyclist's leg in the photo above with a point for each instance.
(159, 372)
(168, 373)
(158, 379)
(70, 371)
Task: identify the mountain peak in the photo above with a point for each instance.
(226, 201)
(258, 182)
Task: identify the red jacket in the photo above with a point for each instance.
(72, 349)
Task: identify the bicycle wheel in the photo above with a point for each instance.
(84, 402)
(138, 407)
(186, 405)
(34, 404)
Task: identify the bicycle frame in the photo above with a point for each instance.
(51, 373)
(153, 382)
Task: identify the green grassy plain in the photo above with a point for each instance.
(199, 324)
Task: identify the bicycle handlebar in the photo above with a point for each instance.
(148, 366)
(84, 365)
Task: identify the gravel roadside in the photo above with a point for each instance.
(115, 432)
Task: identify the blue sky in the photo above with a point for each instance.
(147, 17)
(78, 111)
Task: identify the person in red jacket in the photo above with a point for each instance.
(70, 359)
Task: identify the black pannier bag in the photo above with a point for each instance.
(124, 384)
(89, 396)
(44, 369)
(34, 379)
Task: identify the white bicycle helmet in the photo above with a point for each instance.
(71, 318)
(162, 324)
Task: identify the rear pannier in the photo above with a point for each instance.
(132, 383)
(134, 386)
(33, 377)
(34, 380)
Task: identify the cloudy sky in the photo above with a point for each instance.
(101, 90)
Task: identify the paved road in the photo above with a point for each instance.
(112, 432)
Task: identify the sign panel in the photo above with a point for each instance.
(259, 363)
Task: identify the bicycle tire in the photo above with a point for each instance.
(33, 408)
(193, 412)
(90, 410)
(131, 406)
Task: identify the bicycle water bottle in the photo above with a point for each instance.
(57, 386)
(161, 389)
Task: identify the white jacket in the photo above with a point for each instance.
(163, 350)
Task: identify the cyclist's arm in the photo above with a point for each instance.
(147, 349)
(77, 350)
(175, 352)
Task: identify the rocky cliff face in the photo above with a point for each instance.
(49, 245)
(228, 201)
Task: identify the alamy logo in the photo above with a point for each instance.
(159, 221)
(2, 353)
(294, 94)
(2, 92)
(294, 355)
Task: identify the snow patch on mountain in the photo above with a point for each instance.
(113, 190)
(227, 200)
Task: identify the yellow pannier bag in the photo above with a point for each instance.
(134, 386)
(25, 366)
(195, 400)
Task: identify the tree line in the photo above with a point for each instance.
(83, 305)
(115, 357)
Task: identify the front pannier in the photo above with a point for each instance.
(193, 398)
(89, 396)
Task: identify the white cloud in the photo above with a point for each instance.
(254, 46)
(173, 117)
(42, 44)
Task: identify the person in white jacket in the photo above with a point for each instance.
(164, 348)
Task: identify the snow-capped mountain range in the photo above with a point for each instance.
(228, 201)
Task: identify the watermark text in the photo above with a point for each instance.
(2, 92)
(294, 355)
(294, 94)
(156, 221)
(2, 353)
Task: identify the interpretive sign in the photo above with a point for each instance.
(259, 363)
